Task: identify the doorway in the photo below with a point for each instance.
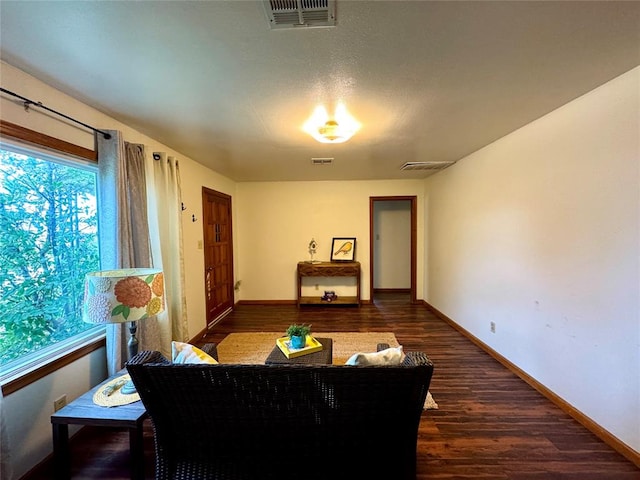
(393, 243)
(218, 254)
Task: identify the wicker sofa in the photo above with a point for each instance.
(255, 422)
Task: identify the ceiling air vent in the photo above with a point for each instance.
(322, 161)
(300, 13)
(426, 165)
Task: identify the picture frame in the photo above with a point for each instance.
(343, 249)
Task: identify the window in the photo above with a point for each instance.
(48, 242)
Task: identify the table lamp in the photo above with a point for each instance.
(126, 295)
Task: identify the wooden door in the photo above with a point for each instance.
(218, 253)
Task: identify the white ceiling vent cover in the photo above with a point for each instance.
(426, 165)
(300, 13)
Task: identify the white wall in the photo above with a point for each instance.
(276, 221)
(539, 233)
(27, 410)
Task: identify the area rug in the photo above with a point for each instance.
(253, 348)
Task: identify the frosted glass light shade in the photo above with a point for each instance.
(327, 130)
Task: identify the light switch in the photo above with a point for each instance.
(199, 244)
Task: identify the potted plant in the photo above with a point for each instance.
(298, 335)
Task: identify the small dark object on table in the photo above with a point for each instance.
(329, 296)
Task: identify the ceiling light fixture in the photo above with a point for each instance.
(338, 129)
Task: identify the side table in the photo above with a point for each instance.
(329, 269)
(82, 411)
(324, 356)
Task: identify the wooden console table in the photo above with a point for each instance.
(329, 269)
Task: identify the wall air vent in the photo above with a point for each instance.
(300, 13)
(322, 161)
(426, 165)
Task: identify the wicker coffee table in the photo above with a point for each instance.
(323, 357)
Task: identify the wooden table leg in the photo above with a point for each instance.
(61, 453)
(136, 452)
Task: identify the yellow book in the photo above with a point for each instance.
(312, 345)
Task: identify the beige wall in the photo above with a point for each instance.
(276, 221)
(27, 410)
(539, 233)
(194, 177)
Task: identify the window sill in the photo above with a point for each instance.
(45, 369)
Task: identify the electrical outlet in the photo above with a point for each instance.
(59, 403)
(493, 327)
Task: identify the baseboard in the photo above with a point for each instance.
(266, 302)
(202, 333)
(282, 302)
(603, 434)
(219, 317)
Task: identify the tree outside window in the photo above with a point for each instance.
(48, 242)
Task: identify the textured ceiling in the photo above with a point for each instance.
(428, 81)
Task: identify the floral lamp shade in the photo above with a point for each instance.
(127, 295)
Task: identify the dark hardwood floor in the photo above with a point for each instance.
(490, 424)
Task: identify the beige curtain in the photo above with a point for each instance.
(135, 251)
(124, 233)
(166, 223)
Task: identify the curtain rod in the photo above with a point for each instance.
(28, 103)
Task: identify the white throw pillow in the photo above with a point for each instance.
(389, 356)
(186, 353)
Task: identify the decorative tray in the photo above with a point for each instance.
(312, 345)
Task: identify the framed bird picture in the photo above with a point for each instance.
(343, 249)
